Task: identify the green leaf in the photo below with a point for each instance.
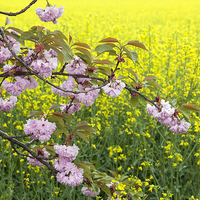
(103, 48)
(82, 135)
(84, 51)
(121, 77)
(59, 131)
(59, 35)
(132, 72)
(28, 35)
(67, 117)
(134, 101)
(155, 84)
(87, 128)
(55, 105)
(191, 107)
(62, 44)
(109, 39)
(113, 173)
(15, 29)
(149, 77)
(95, 188)
(184, 111)
(34, 112)
(67, 57)
(132, 55)
(105, 69)
(82, 45)
(82, 123)
(85, 58)
(103, 62)
(84, 166)
(105, 188)
(137, 44)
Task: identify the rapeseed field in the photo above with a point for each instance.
(128, 140)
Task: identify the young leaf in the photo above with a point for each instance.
(132, 72)
(137, 44)
(134, 101)
(107, 70)
(85, 58)
(113, 173)
(82, 135)
(105, 188)
(103, 62)
(82, 45)
(109, 39)
(34, 112)
(184, 111)
(82, 123)
(103, 48)
(84, 166)
(59, 35)
(155, 84)
(84, 51)
(70, 39)
(191, 107)
(131, 54)
(149, 77)
(87, 128)
(54, 106)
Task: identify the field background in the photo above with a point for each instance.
(128, 140)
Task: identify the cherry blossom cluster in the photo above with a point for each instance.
(43, 61)
(168, 117)
(50, 13)
(89, 192)
(19, 84)
(71, 108)
(5, 54)
(114, 88)
(40, 129)
(34, 161)
(7, 104)
(69, 174)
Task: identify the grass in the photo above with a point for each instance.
(128, 140)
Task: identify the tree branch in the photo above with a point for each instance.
(20, 12)
(25, 147)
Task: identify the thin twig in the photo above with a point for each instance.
(25, 147)
(20, 12)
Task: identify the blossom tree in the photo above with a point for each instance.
(84, 77)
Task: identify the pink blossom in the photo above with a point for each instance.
(89, 192)
(69, 84)
(73, 108)
(76, 66)
(41, 129)
(7, 104)
(69, 152)
(20, 84)
(34, 161)
(114, 88)
(50, 13)
(87, 98)
(72, 176)
(167, 117)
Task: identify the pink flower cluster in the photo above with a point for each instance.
(45, 63)
(7, 104)
(69, 84)
(89, 192)
(114, 88)
(87, 98)
(34, 161)
(41, 129)
(76, 66)
(5, 54)
(167, 117)
(50, 13)
(19, 85)
(69, 174)
(72, 109)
